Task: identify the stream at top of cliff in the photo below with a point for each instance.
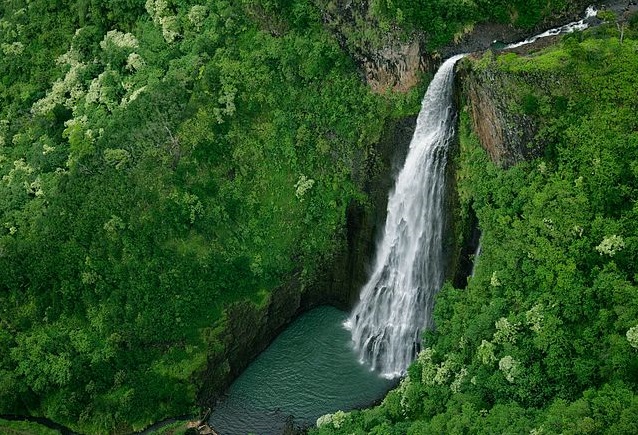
(309, 370)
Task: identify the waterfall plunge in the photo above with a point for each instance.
(396, 303)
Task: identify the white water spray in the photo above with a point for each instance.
(475, 257)
(396, 304)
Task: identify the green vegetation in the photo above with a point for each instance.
(24, 428)
(544, 339)
(160, 160)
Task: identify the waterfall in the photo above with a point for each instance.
(396, 303)
(475, 258)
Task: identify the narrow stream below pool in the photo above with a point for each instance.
(309, 370)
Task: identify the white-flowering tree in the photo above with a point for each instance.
(632, 336)
(611, 245)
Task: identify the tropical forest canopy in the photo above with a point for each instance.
(162, 159)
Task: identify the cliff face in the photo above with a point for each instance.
(388, 61)
(396, 67)
(497, 114)
(492, 101)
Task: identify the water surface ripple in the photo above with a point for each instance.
(309, 370)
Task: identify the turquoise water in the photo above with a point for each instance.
(309, 370)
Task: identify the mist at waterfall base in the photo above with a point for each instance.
(308, 371)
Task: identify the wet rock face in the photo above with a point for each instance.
(505, 133)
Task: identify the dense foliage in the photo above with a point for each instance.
(544, 339)
(159, 160)
(25, 428)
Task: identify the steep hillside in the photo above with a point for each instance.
(160, 162)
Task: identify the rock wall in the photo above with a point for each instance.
(503, 129)
(397, 67)
(462, 233)
(388, 61)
